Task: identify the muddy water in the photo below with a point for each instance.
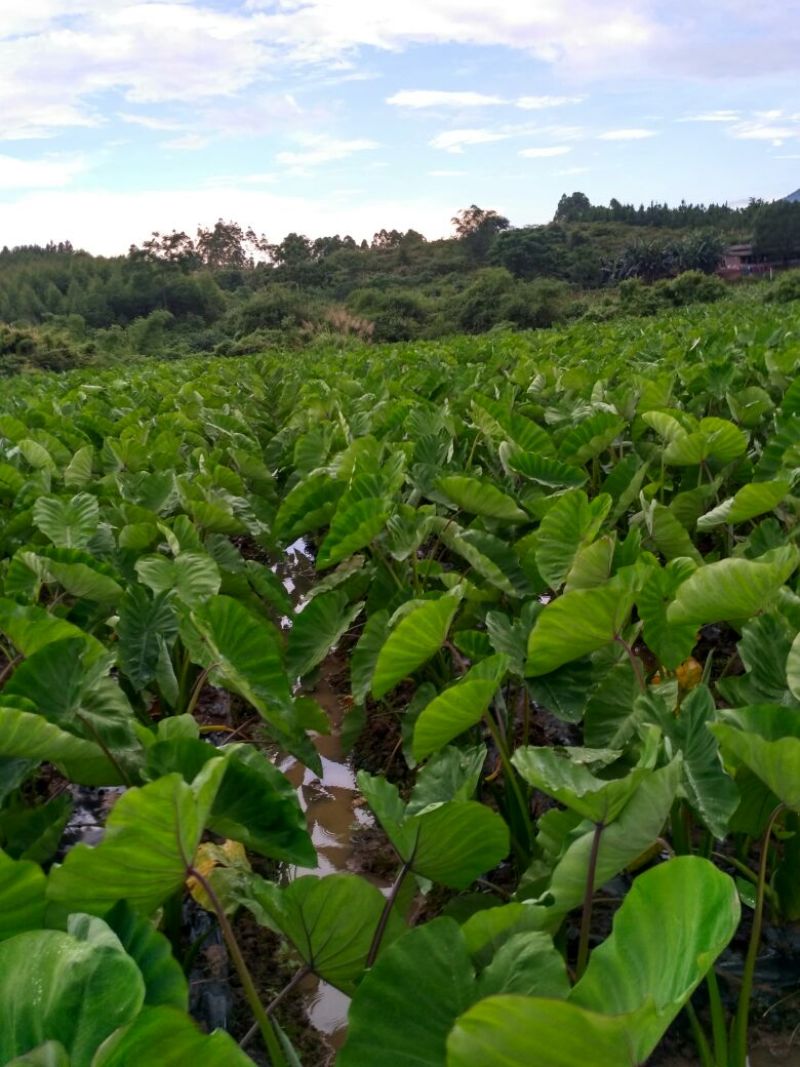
(331, 803)
(332, 808)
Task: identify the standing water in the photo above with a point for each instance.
(331, 804)
(332, 809)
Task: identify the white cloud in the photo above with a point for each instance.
(189, 142)
(57, 57)
(761, 131)
(151, 122)
(633, 134)
(724, 115)
(319, 148)
(149, 52)
(424, 98)
(33, 112)
(315, 30)
(454, 140)
(48, 173)
(545, 153)
(539, 103)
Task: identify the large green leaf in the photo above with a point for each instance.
(710, 791)
(489, 556)
(365, 655)
(50, 1054)
(76, 694)
(526, 963)
(33, 831)
(671, 927)
(793, 668)
(151, 837)
(22, 899)
(563, 774)
(68, 523)
(564, 691)
(590, 437)
(330, 921)
(542, 469)
(452, 774)
(78, 572)
(194, 576)
(451, 843)
(255, 803)
(713, 438)
(145, 623)
(30, 628)
(481, 498)
(671, 643)
(458, 708)
(514, 1031)
(78, 471)
(592, 565)
(166, 1037)
(775, 762)
(500, 421)
(24, 734)
(412, 642)
(732, 588)
(751, 500)
(640, 823)
(164, 980)
(668, 536)
(579, 622)
(307, 506)
(569, 525)
(243, 654)
(455, 843)
(351, 529)
(612, 710)
(429, 965)
(669, 930)
(57, 987)
(317, 628)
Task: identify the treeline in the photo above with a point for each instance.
(229, 290)
(578, 208)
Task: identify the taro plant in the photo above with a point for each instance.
(561, 574)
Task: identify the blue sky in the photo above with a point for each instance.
(344, 116)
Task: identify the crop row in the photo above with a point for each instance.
(587, 535)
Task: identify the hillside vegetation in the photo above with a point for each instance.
(230, 291)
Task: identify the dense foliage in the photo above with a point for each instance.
(229, 290)
(562, 565)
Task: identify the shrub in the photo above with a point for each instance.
(784, 289)
(693, 287)
(395, 314)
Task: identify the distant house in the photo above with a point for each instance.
(739, 261)
(738, 256)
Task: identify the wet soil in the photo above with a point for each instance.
(343, 832)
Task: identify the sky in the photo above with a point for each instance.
(119, 118)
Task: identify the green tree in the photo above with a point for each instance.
(574, 208)
(477, 229)
(776, 230)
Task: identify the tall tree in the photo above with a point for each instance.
(477, 229)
